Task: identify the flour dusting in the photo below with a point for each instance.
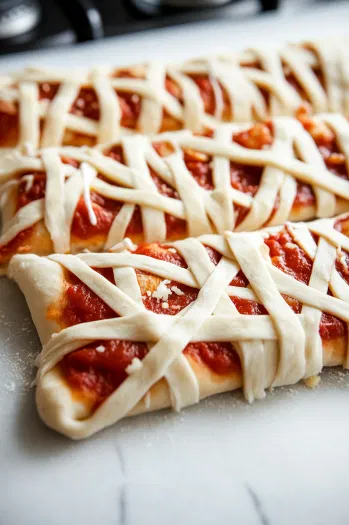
(19, 365)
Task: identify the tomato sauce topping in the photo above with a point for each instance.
(175, 227)
(219, 357)
(208, 96)
(86, 103)
(198, 163)
(105, 211)
(342, 225)
(292, 260)
(200, 166)
(292, 79)
(9, 133)
(247, 178)
(99, 368)
(326, 142)
(25, 195)
(34, 191)
(82, 305)
(342, 262)
(243, 178)
(20, 244)
(174, 89)
(161, 252)
(243, 306)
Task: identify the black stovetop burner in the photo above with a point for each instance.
(32, 24)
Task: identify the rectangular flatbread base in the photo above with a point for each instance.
(167, 325)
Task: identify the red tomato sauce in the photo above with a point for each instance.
(161, 252)
(36, 190)
(174, 226)
(174, 89)
(86, 103)
(243, 306)
(206, 92)
(8, 124)
(200, 167)
(291, 79)
(82, 305)
(175, 303)
(292, 260)
(98, 373)
(20, 243)
(326, 142)
(209, 98)
(342, 225)
(87, 369)
(221, 358)
(105, 211)
(246, 178)
(116, 153)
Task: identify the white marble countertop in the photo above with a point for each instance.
(282, 461)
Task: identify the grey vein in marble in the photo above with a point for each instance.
(122, 494)
(257, 505)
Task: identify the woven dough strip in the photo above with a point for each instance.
(293, 158)
(50, 107)
(277, 348)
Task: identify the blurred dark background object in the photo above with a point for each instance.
(33, 24)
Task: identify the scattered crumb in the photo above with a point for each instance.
(19, 366)
(10, 386)
(312, 381)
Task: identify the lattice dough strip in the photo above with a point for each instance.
(203, 210)
(29, 119)
(240, 83)
(275, 349)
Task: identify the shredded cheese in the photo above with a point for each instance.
(177, 290)
(162, 292)
(135, 365)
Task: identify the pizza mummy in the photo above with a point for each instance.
(164, 325)
(47, 108)
(174, 185)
